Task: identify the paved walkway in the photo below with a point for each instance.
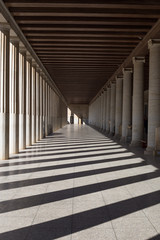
(79, 185)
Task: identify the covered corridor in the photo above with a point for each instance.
(95, 63)
(79, 184)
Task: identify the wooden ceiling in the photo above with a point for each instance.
(83, 42)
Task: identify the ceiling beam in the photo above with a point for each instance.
(117, 28)
(140, 50)
(98, 5)
(53, 13)
(51, 20)
(76, 34)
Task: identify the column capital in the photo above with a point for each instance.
(34, 64)
(4, 27)
(119, 77)
(138, 59)
(38, 69)
(14, 40)
(127, 70)
(22, 50)
(29, 58)
(44, 77)
(41, 73)
(153, 42)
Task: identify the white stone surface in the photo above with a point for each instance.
(78, 184)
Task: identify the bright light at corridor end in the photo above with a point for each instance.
(72, 117)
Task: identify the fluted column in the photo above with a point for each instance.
(4, 91)
(101, 110)
(138, 101)
(44, 106)
(112, 109)
(119, 95)
(108, 110)
(41, 105)
(49, 128)
(34, 102)
(46, 113)
(154, 92)
(97, 117)
(22, 94)
(127, 102)
(38, 104)
(104, 111)
(14, 94)
(29, 102)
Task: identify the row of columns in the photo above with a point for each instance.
(122, 103)
(29, 107)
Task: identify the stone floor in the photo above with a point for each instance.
(79, 185)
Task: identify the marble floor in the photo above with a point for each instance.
(79, 185)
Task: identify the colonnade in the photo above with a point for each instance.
(121, 102)
(30, 109)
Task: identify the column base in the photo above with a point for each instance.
(103, 130)
(33, 129)
(107, 131)
(28, 130)
(41, 126)
(123, 140)
(136, 144)
(22, 131)
(111, 134)
(37, 128)
(117, 137)
(14, 133)
(4, 136)
(149, 151)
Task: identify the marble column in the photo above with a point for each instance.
(101, 111)
(41, 105)
(46, 113)
(138, 101)
(99, 105)
(102, 104)
(44, 106)
(38, 104)
(14, 95)
(22, 95)
(104, 111)
(105, 124)
(154, 92)
(112, 109)
(29, 102)
(49, 130)
(127, 103)
(4, 90)
(34, 102)
(119, 96)
(108, 110)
